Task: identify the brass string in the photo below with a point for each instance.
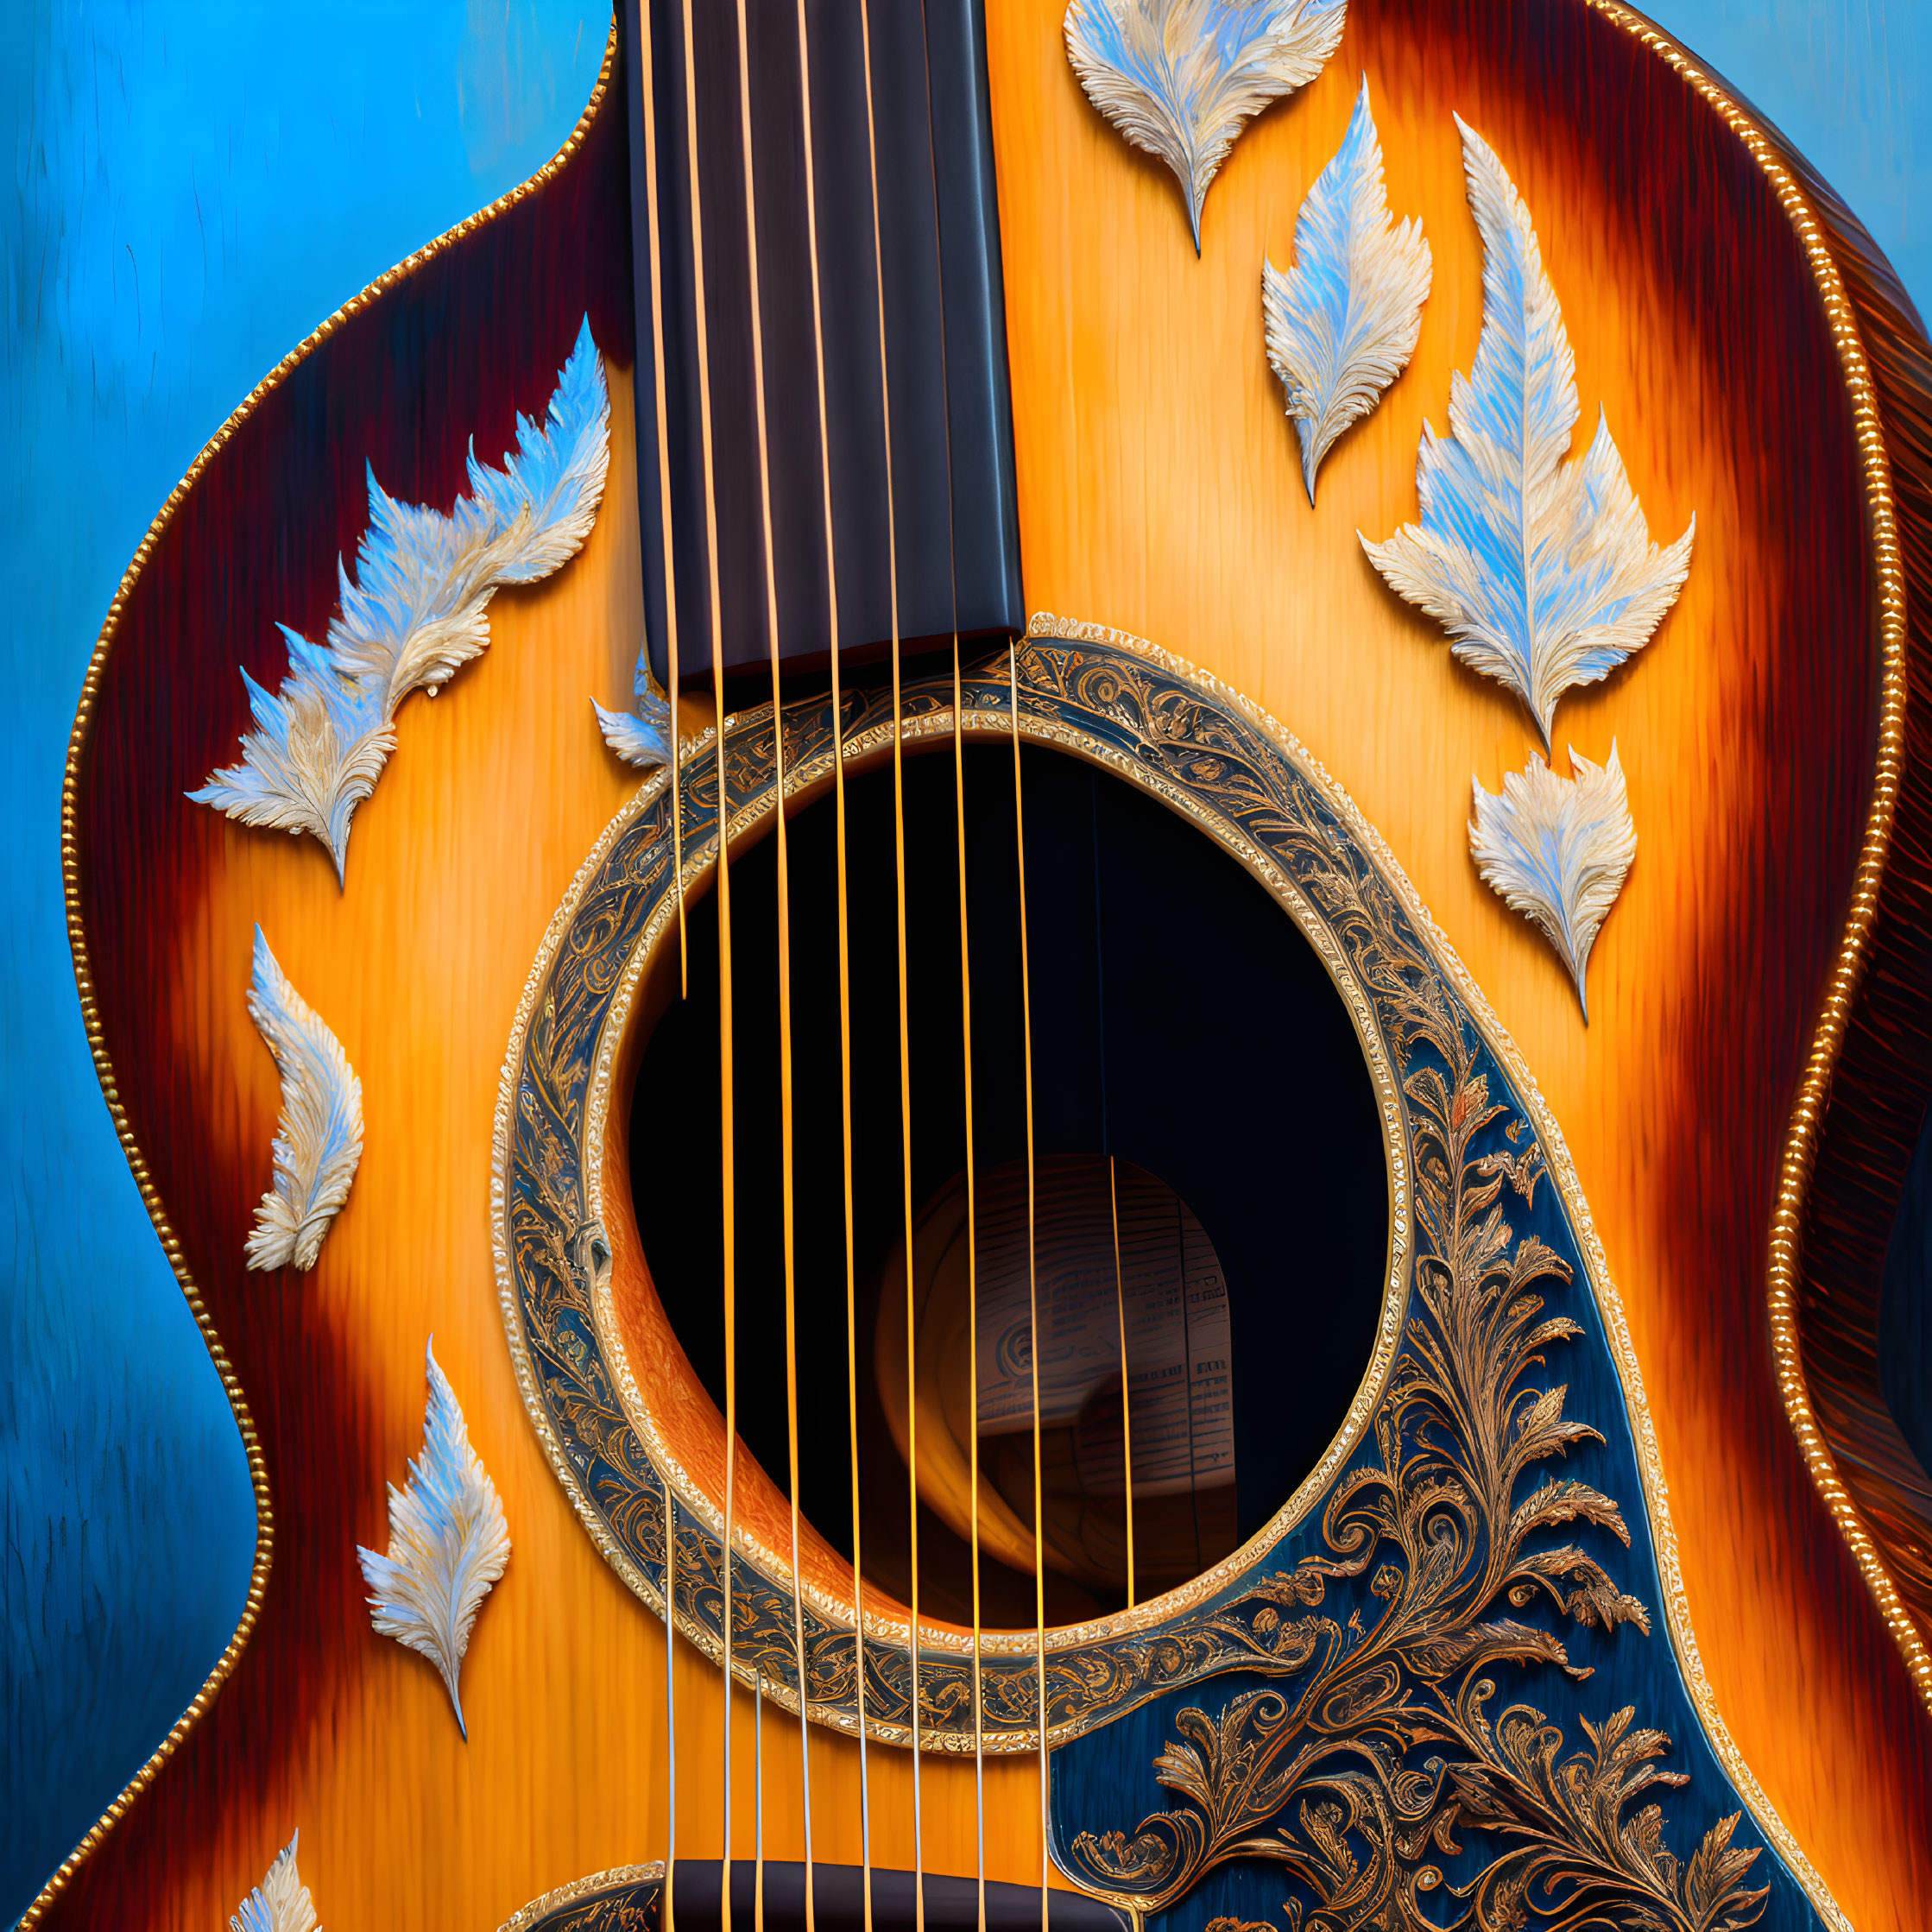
(664, 479)
(728, 1174)
(1032, 1275)
(1126, 1416)
(851, 1310)
(649, 84)
(838, 727)
(845, 1110)
(972, 1283)
(758, 1813)
(904, 1025)
(1112, 1186)
(1187, 1346)
(784, 881)
(670, 1709)
(965, 1022)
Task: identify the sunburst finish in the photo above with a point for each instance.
(1159, 491)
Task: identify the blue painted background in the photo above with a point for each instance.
(1849, 82)
(197, 183)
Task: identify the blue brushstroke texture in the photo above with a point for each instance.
(1849, 82)
(275, 159)
(196, 185)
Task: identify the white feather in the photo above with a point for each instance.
(1558, 850)
(1541, 571)
(642, 737)
(448, 1544)
(1342, 323)
(281, 1903)
(1180, 77)
(319, 1137)
(319, 749)
(415, 613)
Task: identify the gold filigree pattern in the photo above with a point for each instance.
(604, 1439)
(627, 1898)
(1357, 1644)
(1455, 1549)
(1848, 962)
(71, 842)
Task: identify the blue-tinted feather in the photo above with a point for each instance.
(1541, 570)
(1342, 323)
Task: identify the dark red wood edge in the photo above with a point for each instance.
(175, 719)
(1884, 1077)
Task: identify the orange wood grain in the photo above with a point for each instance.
(1159, 492)
(498, 788)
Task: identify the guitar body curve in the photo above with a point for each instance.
(1159, 494)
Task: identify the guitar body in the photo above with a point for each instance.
(1158, 493)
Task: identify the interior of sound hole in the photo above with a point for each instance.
(1183, 1033)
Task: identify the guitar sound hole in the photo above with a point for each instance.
(1157, 1296)
(1181, 1029)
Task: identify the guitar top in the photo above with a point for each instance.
(1358, 1264)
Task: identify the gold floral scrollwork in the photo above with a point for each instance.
(629, 1898)
(1327, 1695)
(1319, 1774)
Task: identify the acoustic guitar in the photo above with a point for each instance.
(1273, 1338)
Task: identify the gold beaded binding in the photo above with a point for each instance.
(1854, 947)
(76, 938)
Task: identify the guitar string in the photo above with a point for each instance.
(965, 1013)
(1127, 1414)
(1112, 1182)
(728, 1177)
(785, 1013)
(1187, 1346)
(670, 1711)
(972, 1289)
(649, 84)
(845, 1122)
(786, 1203)
(851, 1310)
(904, 1026)
(648, 81)
(1032, 1273)
(838, 733)
(758, 1813)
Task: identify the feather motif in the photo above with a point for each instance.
(319, 1137)
(1558, 850)
(448, 1543)
(1180, 77)
(642, 737)
(1342, 323)
(415, 614)
(1541, 570)
(281, 1903)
